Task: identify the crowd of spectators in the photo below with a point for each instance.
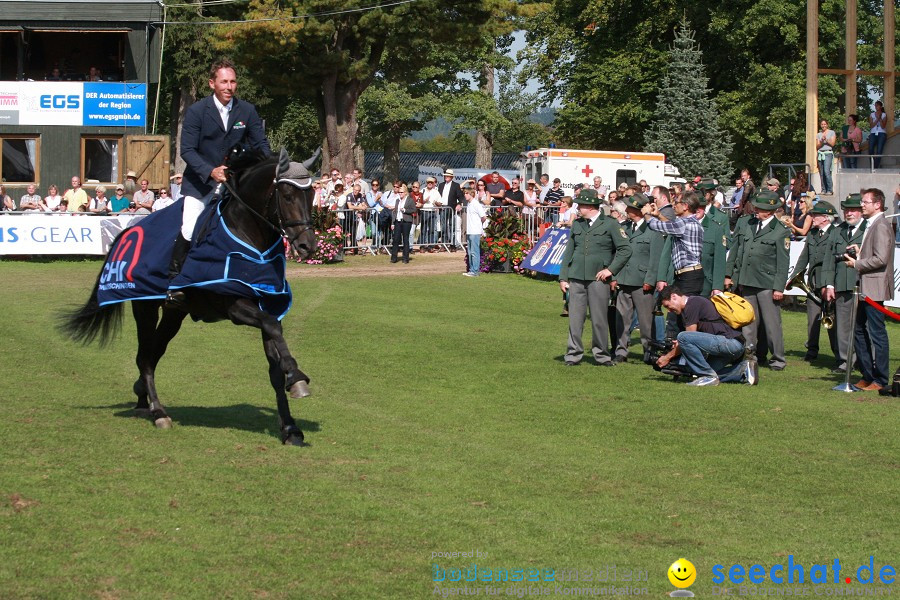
(76, 199)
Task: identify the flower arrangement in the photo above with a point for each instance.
(504, 244)
(329, 238)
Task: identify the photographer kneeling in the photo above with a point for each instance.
(709, 347)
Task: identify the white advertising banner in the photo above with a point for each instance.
(23, 234)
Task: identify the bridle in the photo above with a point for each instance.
(281, 229)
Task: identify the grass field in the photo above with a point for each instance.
(442, 419)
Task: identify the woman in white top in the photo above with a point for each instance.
(567, 217)
(481, 193)
(877, 133)
(53, 199)
(429, 214)
(531, 197)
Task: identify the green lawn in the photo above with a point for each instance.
(442, 419)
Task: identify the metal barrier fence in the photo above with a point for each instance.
(437, 230)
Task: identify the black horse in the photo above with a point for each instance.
(271, 199)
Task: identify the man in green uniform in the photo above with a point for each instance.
(764, 254)
(636, 281)
(597, 250)
(839, 278)
(818, 244)
(707, 188)
(715, 247)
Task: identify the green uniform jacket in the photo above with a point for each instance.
(835, 272)
(713, 257)
(639, 268)
(593, 248)
(818, 244)
(721, 218)
(764, 257)
(732, 266)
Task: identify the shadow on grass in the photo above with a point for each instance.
(245, 417)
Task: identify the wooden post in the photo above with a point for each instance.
(850, 59)
(812, 81)
(890, 80)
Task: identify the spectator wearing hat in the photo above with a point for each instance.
(764, 258)
(531, 199)
(874, 261)
(636, 281)
(175, 186)
(131, 182)
(453, 198)
(839, 279)
(816, 251)
(596, 251)
(119, 202)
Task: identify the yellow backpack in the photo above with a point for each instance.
(734, 309)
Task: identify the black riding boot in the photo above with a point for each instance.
(175, 298)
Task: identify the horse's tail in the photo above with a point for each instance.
(92, 322)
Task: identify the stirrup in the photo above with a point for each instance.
(176, 299)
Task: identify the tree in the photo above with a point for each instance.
(685, 123)
(330, 52)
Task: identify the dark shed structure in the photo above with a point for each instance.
(76, 83)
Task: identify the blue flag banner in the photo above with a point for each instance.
(546, 255)
(137, 265)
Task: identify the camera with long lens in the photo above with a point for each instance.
(658, 349)
(851, 252)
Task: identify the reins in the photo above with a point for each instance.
(282, 224)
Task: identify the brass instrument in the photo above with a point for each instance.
(800, 283)
(828, 315)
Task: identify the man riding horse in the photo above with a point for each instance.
(211, 127)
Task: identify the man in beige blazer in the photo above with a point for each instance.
(875, 264)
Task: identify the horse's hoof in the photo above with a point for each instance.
(163, 423)
(300, 390)
(294, 440)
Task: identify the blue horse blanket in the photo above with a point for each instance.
(137, 265)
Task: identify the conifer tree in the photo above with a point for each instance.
(685, 124)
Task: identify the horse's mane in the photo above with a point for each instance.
(240, 162)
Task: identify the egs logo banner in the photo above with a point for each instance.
(74, 103)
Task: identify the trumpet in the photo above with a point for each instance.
(828, 315)
(798, 281)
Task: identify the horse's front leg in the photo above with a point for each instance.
(246, 312)
(154, 335)
(290, 433)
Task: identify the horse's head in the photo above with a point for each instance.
(293, 187)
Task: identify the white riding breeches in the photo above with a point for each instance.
(192, 209)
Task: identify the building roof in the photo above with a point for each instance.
(410, 161)
(77, 12)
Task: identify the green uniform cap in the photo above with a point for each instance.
(706, 184)
(635, 201)
(766, 200)
(823, 208)
(852, 201)
(588, 197)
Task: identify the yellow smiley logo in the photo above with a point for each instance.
(682, 573)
